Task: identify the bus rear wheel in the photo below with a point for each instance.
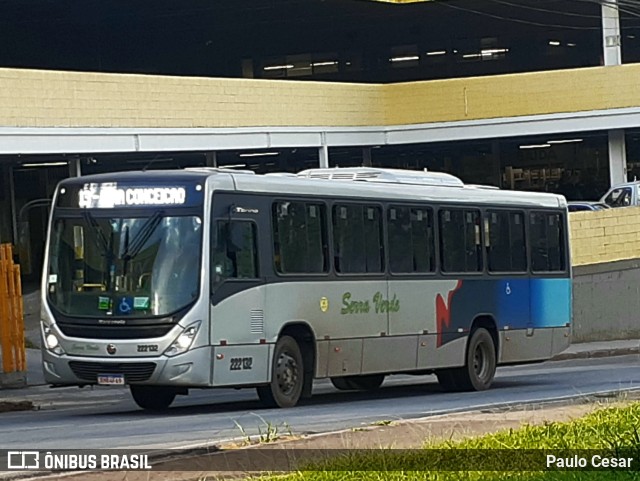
(479, 369)
(287, 375)
(369, 382)
(153, 398)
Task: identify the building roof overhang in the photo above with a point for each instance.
(47, 140)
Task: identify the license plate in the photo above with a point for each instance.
(111, 379)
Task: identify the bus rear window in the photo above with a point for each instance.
(547, 242)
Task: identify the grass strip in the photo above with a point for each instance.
(612, 431)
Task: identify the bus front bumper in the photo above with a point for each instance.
(190, 369)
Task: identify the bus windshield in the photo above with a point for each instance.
(124, 266)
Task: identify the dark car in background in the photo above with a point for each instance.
(579, 206)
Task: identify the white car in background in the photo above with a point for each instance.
(622, 195)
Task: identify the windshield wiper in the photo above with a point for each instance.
(133, 248)
(101, 239)
(103, 244)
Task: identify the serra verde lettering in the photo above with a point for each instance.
(378, 301)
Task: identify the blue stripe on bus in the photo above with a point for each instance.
(551, 306)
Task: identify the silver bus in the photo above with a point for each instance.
(169, 280)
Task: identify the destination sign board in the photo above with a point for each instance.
(111, 195)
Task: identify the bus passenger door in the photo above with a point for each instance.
(237, 292)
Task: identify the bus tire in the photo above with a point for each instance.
(369, 382)
(287, 375)
(153, 398)
(341, 383)
(479, 369)
(447, 380)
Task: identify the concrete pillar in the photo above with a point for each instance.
(14, 210)
(496, 171)
(75, 167)
(324, 153)
(611, 38)
(366, 156)
(617, 157)
(6, 233)
(211, 159)
(247, 68)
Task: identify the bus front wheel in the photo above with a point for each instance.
(369, 382)
(479, 369)
(287, 375)
(153, 398)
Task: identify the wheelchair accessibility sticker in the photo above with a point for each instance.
(125, 305)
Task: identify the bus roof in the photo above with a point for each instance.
(408, 186)
(139, 176)
(357, 183)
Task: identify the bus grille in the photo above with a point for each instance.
(133, 371)
(114, 332)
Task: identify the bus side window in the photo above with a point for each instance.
(235, 254)
(400, 244)
(460, 243)
(300, 238)
(518, 242)
(411, 240)
(357, 239)
(423, 240)
(506, 250)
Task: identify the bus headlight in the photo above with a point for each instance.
(51, 342)
(184, 340)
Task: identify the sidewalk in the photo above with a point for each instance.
(586, 350)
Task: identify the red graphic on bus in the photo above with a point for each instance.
(443, 312)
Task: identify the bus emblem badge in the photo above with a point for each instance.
(111, 349)
(324, 304)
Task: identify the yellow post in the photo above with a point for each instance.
(13, 321)
(21, 355)
(11, 314)
(5, 313)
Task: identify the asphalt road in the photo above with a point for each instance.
(72, 418)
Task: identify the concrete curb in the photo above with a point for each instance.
(620, 351)
(9, 406)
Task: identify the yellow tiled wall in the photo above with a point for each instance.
(33, 98)
(511, 95)
(605, 236)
